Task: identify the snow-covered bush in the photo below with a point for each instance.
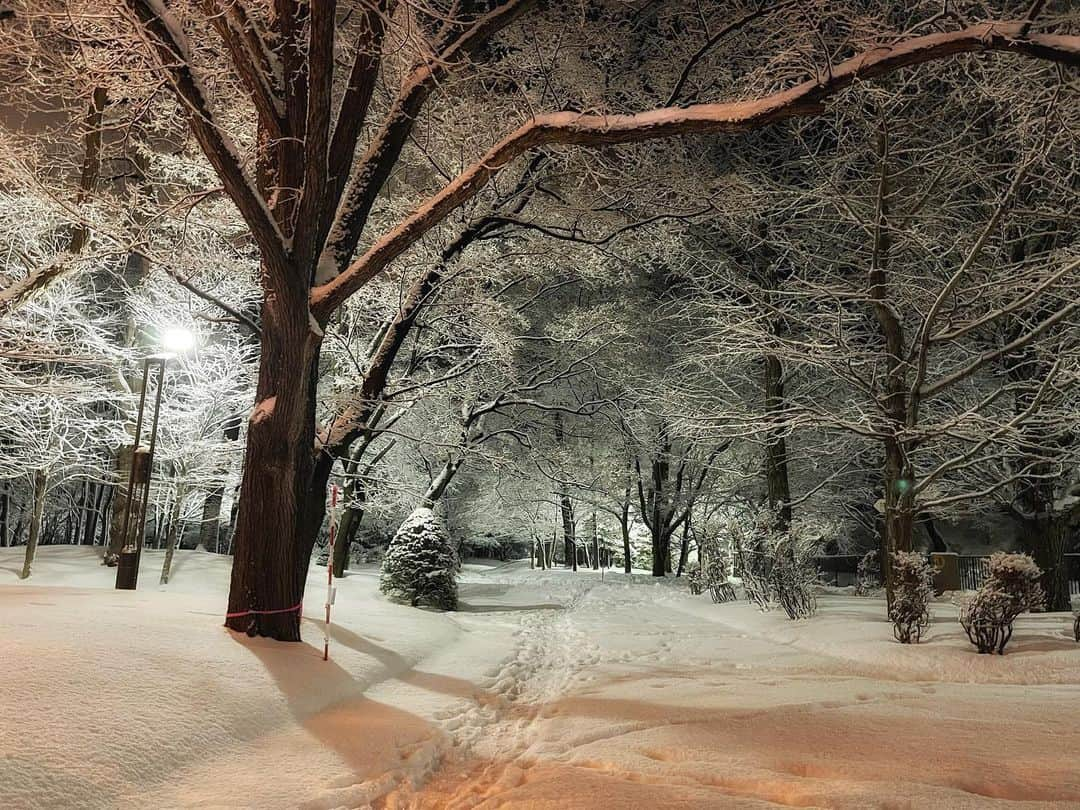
(795, 573)
(1011, 588)
(695, 578)
(913, 587)
(753, 564)
(420, 565)
(712, 573)
(868, 573)
(778, 566)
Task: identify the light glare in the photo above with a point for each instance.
(177, 340)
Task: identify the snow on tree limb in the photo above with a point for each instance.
(570, 128)
(381, 156)
(170, 46)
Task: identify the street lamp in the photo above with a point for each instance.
(175, 341)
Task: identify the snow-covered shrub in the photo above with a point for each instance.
(754, 564)
(1011, 588)
(420, 565)
(778, 566)
(695, 577)
(913, 587)
(712, 573)
(868, 573)
(795, 573)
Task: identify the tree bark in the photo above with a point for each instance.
(40, 481)
(1046, 537)
(282, 492)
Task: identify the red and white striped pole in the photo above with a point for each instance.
(330, 572)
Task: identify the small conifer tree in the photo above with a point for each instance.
(420, 565)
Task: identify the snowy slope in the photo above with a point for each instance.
(547, 690)
(142, 699)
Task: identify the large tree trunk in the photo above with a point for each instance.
(282, 492)
(899, 517)
(1046, 539)
(35, 522)
(661, 551)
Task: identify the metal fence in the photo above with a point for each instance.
(841, 570)
(973, 570)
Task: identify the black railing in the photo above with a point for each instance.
(839, 569)
(973, 570)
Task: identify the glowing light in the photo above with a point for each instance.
(177, 340)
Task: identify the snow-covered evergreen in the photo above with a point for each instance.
(420, 566)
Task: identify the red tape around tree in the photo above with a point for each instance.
(294, 608)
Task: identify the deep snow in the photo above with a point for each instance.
(547, 690)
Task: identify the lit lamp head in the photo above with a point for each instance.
(177, 340)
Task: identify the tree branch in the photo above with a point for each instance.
(741, 116)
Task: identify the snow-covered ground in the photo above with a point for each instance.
(547, 690)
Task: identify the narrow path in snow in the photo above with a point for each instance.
(638, 696)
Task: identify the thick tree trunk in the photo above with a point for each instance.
(661, 552)
(35, 522)
(282, 493)
(899, 518)
(172, 533)
(1046, 539)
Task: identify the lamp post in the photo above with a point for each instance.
(174, 341)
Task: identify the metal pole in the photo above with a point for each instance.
(141, 468)
(150, 457)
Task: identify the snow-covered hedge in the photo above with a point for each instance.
(1011, 588)
(913, 589)
(420, 565)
